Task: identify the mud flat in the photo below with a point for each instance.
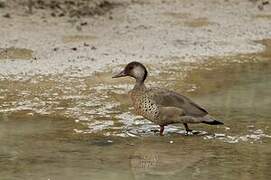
(154, 32)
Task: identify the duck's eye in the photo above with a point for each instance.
(131, 67)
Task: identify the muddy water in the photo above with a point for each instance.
(82, 128)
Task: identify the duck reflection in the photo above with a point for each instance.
(167, 159)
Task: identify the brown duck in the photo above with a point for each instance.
(162, 106)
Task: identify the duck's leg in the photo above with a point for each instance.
(161, 130)
(187, 128)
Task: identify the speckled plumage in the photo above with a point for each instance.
(144, 104)
(162, 106)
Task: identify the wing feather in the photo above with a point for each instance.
(168, 98)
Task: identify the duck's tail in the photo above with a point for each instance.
(211, 121)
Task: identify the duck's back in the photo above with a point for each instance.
(166, 98)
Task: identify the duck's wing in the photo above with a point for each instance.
(168, 98)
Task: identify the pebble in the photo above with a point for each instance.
(7, 15)
(86, 44)
(83, 23)
(55, 49)
(227, 128)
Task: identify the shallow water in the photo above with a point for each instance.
(82, 128)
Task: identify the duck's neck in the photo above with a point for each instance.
(140, 81)
(139, 84)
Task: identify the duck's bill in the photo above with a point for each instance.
(121, 74)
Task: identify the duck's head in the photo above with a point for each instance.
(135, 70)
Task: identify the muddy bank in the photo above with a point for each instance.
(59, 8)
(152, 32)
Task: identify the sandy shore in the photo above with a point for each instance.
(153, 32)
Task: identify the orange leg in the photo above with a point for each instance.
(161, 130)
(187, 128)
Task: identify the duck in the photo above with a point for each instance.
(162, 106)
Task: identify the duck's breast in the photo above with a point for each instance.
(144, 105)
